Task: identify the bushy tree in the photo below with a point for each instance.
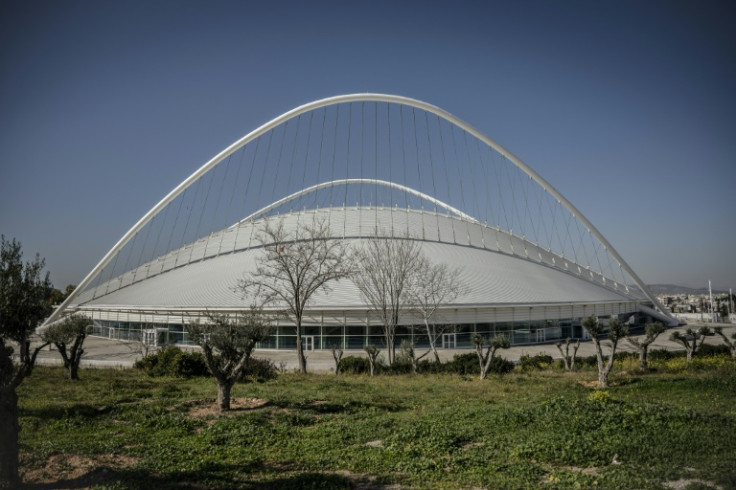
(68, 336)
(337, 353)
(383, 270)
(294, 267)
(651, 332)
(406, 351)
(227, 343)
(24, 303)
(567, 359)
(372, 352)
(731, 343)
(487, 353)
(690, 340)
(616, 331)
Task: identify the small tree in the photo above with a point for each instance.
(68, 336)
(337, 353)
(383, 269)
(406, 350)
(567, 359)
(372, 352)
(430, 287)
(616, 331)
(651, 332)
(24, 303)
(485, 357)
(730, 343)
(690, 340)
(295, 266)
(233, 340)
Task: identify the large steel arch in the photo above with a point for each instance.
(341, 99)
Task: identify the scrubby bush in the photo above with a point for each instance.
(535, 362)
(499, 365)
(259, 370)
(354, 365)
(463, 364)
(399, 366)
(172, 361)
(713, 350)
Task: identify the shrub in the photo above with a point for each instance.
(711, 350)
(189, 365)
(172, 361)
(500, 365)
(259, 370)
(399, 366)
(537, 361)
(463, 364)
(663, 355)
(354, 365)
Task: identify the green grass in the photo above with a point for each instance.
(435, 431)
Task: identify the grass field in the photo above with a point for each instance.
(122, 429)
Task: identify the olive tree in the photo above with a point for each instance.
(486, 354)
(651, 332)
(227, 343)
(383, 270)
(68, 336)
(689, 340)
(431, 286)
(407, 352)
(294, 266)
(372, 352)
(616, 331)
(567, 359)
(731, 343)
(24, 303)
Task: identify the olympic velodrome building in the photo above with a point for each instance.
(366, 165)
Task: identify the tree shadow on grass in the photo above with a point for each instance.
(213, 475)
(56, 412)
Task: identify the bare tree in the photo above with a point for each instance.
(294, 267)
(430, 287)
(485, 357)
(690, 340)
(233, 340)
(616, 331)
(730, 343)
(372, 352)
(383, 269)
(651, 332)
(68, 336)
(567, 359)
(337, 353)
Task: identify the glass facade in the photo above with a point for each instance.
(357, 337)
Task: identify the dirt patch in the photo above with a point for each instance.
(471, 445)
(684, 482)
(207, 407)
(585, 471)
(364, 482)
(589, 384)
(376, 443)
(65, 467)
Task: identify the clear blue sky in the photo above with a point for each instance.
(627, 108)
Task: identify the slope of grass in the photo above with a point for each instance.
(121, 429)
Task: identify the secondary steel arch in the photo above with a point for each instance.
(341, 99)
(334, 183)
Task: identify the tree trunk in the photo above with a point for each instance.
(300, 348)
(432, 340)
(689, 355)
(643, 357)
(74, 371)
(9, 438)
(602, 378)
(223, 394)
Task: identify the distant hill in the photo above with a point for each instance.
(675, 289)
